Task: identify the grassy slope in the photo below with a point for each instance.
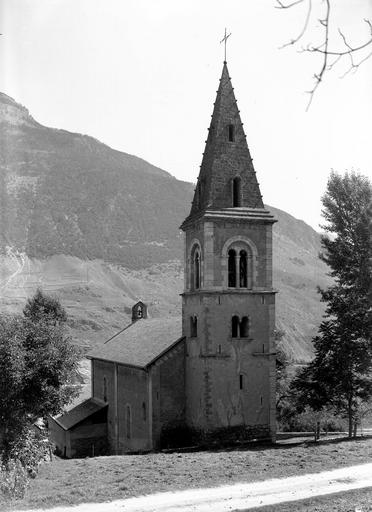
(65, 482)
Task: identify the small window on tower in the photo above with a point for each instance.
(241, 381)
(231, 130)
(236, 192)
(235, 327)
(244, 327)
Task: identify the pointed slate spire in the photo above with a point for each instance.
(227, 178)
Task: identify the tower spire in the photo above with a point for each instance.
(227, 163)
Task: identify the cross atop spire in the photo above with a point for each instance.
(224, 40)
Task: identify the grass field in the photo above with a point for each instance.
(64, 482)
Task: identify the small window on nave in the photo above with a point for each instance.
(129, 421)
(193, 326)
(104, 389)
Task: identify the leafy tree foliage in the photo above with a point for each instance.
(340, 375)
(44, 307)
(37, 366)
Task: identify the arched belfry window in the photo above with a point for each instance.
(195, 268)
(232, 268)
(239, 257)
(244, 327)
(236, 192)
(231, 132)
(243, 268)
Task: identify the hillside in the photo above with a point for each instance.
(100, 227)
(66, 193)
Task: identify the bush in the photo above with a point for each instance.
(22, 462)
(13, 480)
(306, 421)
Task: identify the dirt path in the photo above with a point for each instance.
(238, 497)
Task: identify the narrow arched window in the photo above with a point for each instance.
(236, 192)
(232, 268)
(244, 327)
(241, 381)
(144, 411)
(231, 132)
(243, 269)
(235, 327)
(128, 421)
(197, 270)
(193, 326)
(104, 389)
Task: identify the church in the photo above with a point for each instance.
(214, 374)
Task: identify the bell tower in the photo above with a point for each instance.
(228, 303)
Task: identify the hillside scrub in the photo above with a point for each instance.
(37, 365)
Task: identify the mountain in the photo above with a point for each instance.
(68, 193)
(101, 227)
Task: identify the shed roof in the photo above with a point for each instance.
(80, 413)
(141, 343)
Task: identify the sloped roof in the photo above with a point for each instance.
(80, 413)
(141, 343)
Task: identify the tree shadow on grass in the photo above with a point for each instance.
(252, 446)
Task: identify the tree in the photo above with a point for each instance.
(44, 307)
(37, 366)
(340, 375)
(333, 46)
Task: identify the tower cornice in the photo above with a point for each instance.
(259, 215)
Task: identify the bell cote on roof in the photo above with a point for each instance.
(139, 311)
(227, 178)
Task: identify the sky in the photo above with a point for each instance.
(142, 75)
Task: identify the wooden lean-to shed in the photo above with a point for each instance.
(82, 431)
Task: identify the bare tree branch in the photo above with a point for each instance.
(304, 28)
(349, 51)
(288, 6)
(319, 77)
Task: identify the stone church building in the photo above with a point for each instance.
(215, 373)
